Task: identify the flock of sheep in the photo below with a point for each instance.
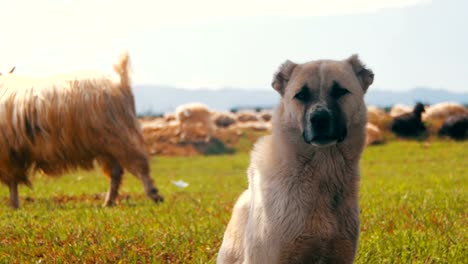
(67, 122)
(445, 119)
(196, 123)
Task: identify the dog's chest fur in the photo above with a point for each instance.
(301, 203)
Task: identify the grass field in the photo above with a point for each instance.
(413, 198)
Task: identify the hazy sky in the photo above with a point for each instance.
(215, 43)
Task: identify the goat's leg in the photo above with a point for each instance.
(14, 198)
(114, 171)
(150, 190)
(148, 184)
(138, 165)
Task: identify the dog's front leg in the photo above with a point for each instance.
(232, 248)
(262, 244)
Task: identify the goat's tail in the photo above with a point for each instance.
(122, 68)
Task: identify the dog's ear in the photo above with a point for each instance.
(282, 76)
(364, 75)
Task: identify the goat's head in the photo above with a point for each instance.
(11, 71)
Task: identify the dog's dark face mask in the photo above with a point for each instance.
(323, 101)
(323, 121)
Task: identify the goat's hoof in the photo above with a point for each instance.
(108, 203)
(157, 198)
(14, 205)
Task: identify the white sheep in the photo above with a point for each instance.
(224, 119)
(195, 122)
(247, 116)
(443, 110)
(399, 109)
(373, 134)
(266, 115)
(378, 117)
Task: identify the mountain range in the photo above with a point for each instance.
(157, 99)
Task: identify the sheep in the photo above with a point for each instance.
(373, 134)
(455, 127)
(247, 116)
(66, 122)
(162, 137)
(256, 126)
(224, 119)
(443, 110)
(195, 122)
(266, 115)
(378, 117)
(399, 109)
(409, 124)
(168, 117)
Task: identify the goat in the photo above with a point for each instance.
(66, 122)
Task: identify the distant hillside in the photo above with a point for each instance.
(160, 99)
(424, 95)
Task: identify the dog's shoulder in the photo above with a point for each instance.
(261, 158)
(261, 149)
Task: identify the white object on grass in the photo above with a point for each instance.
(180, 184)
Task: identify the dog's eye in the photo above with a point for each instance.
(338, 91)
(303, 95)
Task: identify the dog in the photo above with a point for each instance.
(301, 205)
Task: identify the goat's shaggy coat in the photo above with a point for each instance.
(302, 202)
(66, 122)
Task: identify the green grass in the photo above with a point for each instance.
(413, 210)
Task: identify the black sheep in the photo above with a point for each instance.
(455, 127)
(409, 124)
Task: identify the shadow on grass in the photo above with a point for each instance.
(421, 137)
(213, 147)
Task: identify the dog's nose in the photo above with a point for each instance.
(320, 120)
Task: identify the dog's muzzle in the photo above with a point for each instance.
(321, 129)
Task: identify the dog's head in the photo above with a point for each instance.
(322, 100)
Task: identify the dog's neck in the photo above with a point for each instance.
(333, 168)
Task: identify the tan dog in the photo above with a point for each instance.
(302, 201)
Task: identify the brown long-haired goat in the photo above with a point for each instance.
(66, 122)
